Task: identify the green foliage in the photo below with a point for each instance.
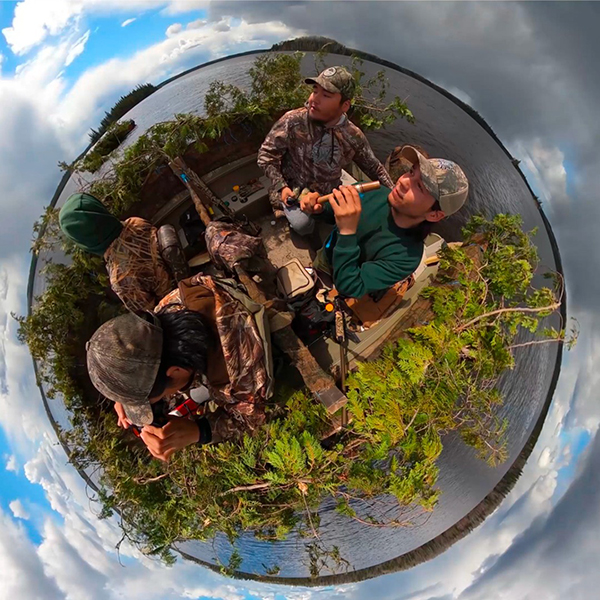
(276, 85)
(121, 107)
(46, 231)
(438, 378)
(75, 298)
(321, 558)
(110, 141)
(273, 571)
(372, 110)
(233, 564)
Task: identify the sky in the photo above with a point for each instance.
(530, 69)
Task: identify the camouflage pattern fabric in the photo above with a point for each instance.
(443, 178)
(244, 389)
(396, 164)
(229, 426)
(224, 425)
(336, 80)
(298, 152)
(137, 273)
(227, 244)
(446, 181)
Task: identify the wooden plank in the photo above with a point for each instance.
(320, 383)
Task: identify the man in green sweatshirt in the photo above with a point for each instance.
(369, 251)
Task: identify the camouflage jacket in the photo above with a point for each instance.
(298, 152)
(237, 376)
(228, 244)
(136, 270)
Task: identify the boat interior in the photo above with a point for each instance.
(244, 188)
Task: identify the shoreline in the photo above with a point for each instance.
(492, 500)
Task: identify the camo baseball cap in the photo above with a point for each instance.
(123, 358)
(444, 179)
(337, 80)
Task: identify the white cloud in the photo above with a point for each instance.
(24, 423)
(3, 284)
(77, 560)
(81, 107)
(183, 6)
(127, 22)
(546, 163)
(11, 464)
(39, 125)
(557, 552)
(77, 48)
(34, 21)
(460, 94)
(173, 29)
(582, 378)
(22, 570)
(545, 458)
(197, 24)
(221, 26)
(18, 510)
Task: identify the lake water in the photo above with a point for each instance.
(445, 130)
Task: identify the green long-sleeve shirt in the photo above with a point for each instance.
(378, 255)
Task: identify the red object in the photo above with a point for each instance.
(187, 409)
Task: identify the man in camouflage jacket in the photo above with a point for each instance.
(309, 146)
(138, 275)
(204, 333)
(137, 272)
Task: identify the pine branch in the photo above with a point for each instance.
(550, 307)
(535, 342)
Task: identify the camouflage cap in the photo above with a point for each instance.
(444, 179)
(123, 358)
(337, 80)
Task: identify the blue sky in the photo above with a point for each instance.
(15, 486)
(521, 65)
(147, 27)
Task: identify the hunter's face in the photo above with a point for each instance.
(324, 106)
(409, 196)
(178, 379)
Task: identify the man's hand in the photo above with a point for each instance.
(286, 193)
(122, 421)
(346, 208)
(178, 433)
(308, 203)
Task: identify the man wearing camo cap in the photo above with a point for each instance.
(370, 251)
(307, 147)
(153, 366)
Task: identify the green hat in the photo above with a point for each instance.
(123, 358)
(444, 179)
(87, 223)
(337, 80)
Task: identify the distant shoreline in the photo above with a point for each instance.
(492, 500)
